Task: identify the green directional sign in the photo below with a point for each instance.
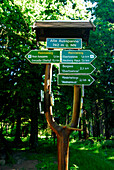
(43, 56)
(70, 43)
(77, 56)
(76, 68)
(71, 80)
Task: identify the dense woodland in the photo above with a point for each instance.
(21, 82)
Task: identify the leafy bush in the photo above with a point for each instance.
(108, 144)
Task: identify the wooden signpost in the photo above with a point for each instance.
(71, 73)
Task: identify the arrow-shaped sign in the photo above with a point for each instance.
(71, 80)
(43, 56)
(76, 68)
(77, 56)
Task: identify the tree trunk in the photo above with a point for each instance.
(18, 130)
(34, 123)
(96, 128)
(62, 132)
(80, 128)
(18, 125)
(107, 134)
(97, 122)
(63, 149)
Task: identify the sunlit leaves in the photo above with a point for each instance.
(54, 9)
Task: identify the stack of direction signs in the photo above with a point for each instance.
(74, 64)
(75, 67)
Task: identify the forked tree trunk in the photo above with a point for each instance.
(62, 132)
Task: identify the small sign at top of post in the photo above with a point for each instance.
(64, 43)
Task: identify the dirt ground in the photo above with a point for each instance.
(24, 165)
(21, 164)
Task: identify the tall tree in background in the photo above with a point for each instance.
(18, 80)
(101, 43)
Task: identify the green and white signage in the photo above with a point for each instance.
(71, 80)
(76, 68)
(43, 56)
(77, 56)
(64, 43)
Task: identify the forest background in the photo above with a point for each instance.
(21, 82)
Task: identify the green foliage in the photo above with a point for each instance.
(90, 155)
(13, 36)
(101, 43)
(108, 144)
(87, 154)
(21, 82)
(53, 10)
(105, 8)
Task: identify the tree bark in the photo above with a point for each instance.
(80, 128)
(18, 125)
(62, 132)
(63, 149)
(97, 131)
(18, 130)
(107, 133)
(34, 123)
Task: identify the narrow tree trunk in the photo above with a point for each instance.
(84, 129)
(80, 128)
(97, 122)
(18, 130)
(34, 123)
(18, 125)
(107, 134)
(63, 149)
(96, 127)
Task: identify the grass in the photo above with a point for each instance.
(46, 154)
(84, 155)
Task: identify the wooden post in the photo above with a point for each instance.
(63, 149)
(62, 132)
(76, 106)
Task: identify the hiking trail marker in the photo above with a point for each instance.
(77, 56)
(76, 68)
(71, 80)
(43, 56)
